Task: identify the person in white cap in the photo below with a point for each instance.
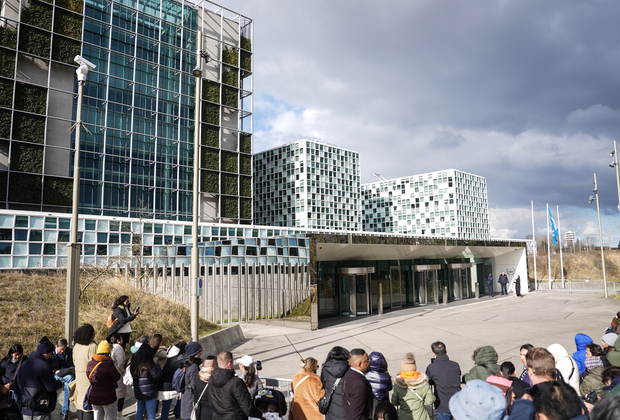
(249, 376)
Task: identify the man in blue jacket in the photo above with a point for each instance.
(490, 285)
(37, 385)
(581, 341)
(445, 375)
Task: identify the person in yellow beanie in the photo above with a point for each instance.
(102, 375)
(411, 391)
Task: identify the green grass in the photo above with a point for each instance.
(303, 309)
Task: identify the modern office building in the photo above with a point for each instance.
(449, 203)
(570, 239)
(308, 184)
(137, 144)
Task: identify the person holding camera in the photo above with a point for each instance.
(249, 375)
(123, 317)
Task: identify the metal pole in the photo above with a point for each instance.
(617, 174)
(548, 246)
(560, 235)
(535, 248)
(600, 232)
(195, 258)
(73, 260)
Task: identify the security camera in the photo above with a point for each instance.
(84, 62)
(197, 72)
(612, 164)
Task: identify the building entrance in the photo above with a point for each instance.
(425, 283)
(459, 286)
(355, 291)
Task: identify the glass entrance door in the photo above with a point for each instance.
(430, 286)
(395, 284)
(361, 294)
(420, 287)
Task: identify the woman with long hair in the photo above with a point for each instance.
(83, 351)
(123, 317)
(249, 375)
(308, 390)
(335, 366)
(10, 365)
(145, 373)
(205, 410)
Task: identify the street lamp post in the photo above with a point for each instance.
(600, 232)
(73, 257)
(613, 164)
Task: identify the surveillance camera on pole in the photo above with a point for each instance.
(84, 68)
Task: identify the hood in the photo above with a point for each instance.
(581, 341)
(377, 362)
(336, 368)
(220, 377)
(617, 344)
(558, 352)
(420, 380)
(486, 356)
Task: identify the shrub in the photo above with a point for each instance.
(210, 159)
(7, 64)
(211, 113)
(65, 49)
(76, 6)
(230, 77)
(211, 91)
(245, 164)
(58, 191)
(230, 56)
(210, 135)
(8, 37)
(34, 41)
(210, 182)
(246, 44)
(67, 23)
(230, 207)
(245, 142)
(38, 14)
(230, 97)
(31, 98)
(5, 125)
(245, 185)
(246, 208)
(27, 158)
(6, 93)
(229, 162)
(229, 184)
(29, 128)
(25, 188)
(246, 60)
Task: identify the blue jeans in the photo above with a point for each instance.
(65, 382)
(165, 409)
(443, 416)
(177, 409)
(150, 408)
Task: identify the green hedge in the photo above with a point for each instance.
(74, 5)
(8, 38)
(34, 41)
(31, 98)
(230, 77)
(6, 93)
(27, 158)
(230, 207)
(38, 14)
(25, 188)
(229, 162)
(230, 56)
(211, 91)
(246, 44)
(246, 60)
(211, 113)
(245, 142)
(65, 49)
(246, 208)
(209, 182)
(29, 128)
(229, 184)
(67, 23)
(7, 63)
(230, 96)
(5, 125)
(210, 136)
(245, 184)
(58, 191)
(210, 159)
(245, 164)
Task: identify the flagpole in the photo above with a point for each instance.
(560, 238)
(535, 248)
(548, 247)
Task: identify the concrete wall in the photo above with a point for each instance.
(221, 340)
(513, 264)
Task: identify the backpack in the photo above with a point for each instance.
(111, 320)
(178, 380)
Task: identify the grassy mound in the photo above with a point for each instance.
(577, 266)
(32, 306)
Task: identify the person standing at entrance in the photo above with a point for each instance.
(490, 284)
(518, 287)
(503, 282)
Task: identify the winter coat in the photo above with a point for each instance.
(411, 395)
(305, 403)
(102, 380)
(36, 374)
(62, 361)
(230, 397)
(255, 387)
(146, 388)
(8, 368)
(160, 355)
(614, 356)
(566, 365)
(445, 375)
(503, 279)
(166, 392)
(486, 365)
(380, 381)
(581, 341)
(189, 395)
(118, 357)
(332, 370)
(357, 396)
(81, 356)
(593, 382)
(205, 409)
(490, 279)
(121, 319)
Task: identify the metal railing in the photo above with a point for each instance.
(577, 286)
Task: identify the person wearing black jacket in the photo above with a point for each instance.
(64, 369)
(228, 394)
(9, 367)
(123, 316)
(503, 281)
(37, 385)
(445, 375)
(335, 367)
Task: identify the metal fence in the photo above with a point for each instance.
(578, 286)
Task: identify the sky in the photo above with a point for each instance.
(523, 92)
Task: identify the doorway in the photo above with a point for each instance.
(355, 291)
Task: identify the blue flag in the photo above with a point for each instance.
(554, 229)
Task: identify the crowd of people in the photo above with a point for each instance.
(352, 385)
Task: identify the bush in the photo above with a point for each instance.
(245, 142)
(5, 125)
(211, 91)
(211, 114)
(29, 128)
(229, 184)
(65, 49)
(246, 60)
(246, 208)
(245, 164)
(210, 159)
(67, 23)
(58, 191)
(8, 37)
(27, 158)
(230, 207)
(210, 136)
(6, 93)
(209, 182)
(245, 186)
(246, 44)
(31, 98)
(230, 77)
(230, 97)
(38, 14)
(76, 6)
(230, 56)
(34, 41)
(7, 64)
(25, 188)
(229, 162)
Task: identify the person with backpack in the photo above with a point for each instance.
(121, 319)
(193, 350)
(145, 373)
(102, 375)
(566, 365)
(412, 391)
(175, 359)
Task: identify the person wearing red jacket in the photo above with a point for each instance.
(102, 375)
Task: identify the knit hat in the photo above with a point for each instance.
(408, 362)
(478, 400)
(610, 339)
(103, 348)
(192, 348)
(45, 346)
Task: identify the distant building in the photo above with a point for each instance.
(307, 184)
(444, 203)
(570, 239)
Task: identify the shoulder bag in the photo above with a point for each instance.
(195, 405)
(326, 399)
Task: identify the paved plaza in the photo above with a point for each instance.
(540, 318)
